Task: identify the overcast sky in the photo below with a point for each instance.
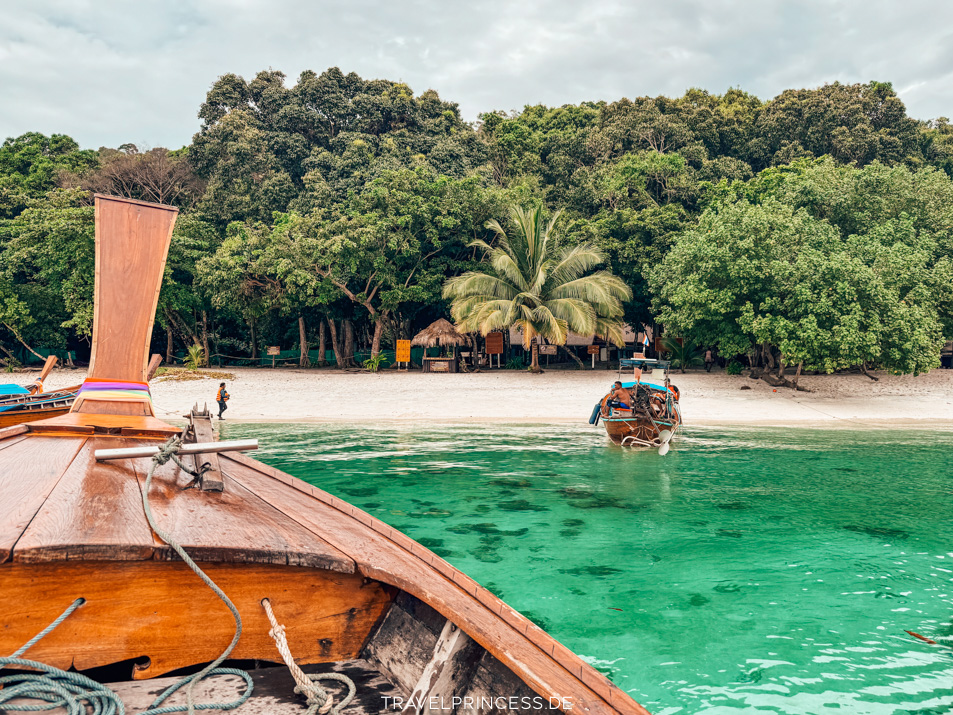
(108, 72)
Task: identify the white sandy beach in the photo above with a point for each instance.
(292, 395)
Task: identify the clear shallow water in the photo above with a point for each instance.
(749, 571)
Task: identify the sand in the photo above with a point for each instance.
(293, 395)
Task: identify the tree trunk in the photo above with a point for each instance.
(335, 343)
(348, 343)
(573, 355)
(781, 368)
(797, 375)
(768, 355)
(322, 345)
(254, 339)
(863, 369)
(168, 344)
(534, 352)
(303, 337)
(22, 341)
(12, 358)
(378, 331)
(204, 336)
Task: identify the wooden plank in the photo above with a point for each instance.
(162, 611)
(107, 424)
(153, 366)
(10, 441)
(449, 672)
(29, 470)
(13, 418)
(7, 432)
(132, 242)
(212, 480)
(234, 526)
(401, 647)
(95, 512)
(499, 629)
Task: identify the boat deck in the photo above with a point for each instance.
(83, 522)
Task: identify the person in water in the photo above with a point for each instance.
(221, 398)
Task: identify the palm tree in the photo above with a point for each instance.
(543, 290)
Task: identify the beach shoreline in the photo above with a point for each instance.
(557, 396)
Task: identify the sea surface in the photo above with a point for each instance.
(748, 571)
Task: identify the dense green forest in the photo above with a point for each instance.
(815, 228)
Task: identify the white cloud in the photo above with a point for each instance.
(112, 72)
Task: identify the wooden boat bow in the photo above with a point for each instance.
(349, 588)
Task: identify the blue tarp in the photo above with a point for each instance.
(8, 390)
(628, 385)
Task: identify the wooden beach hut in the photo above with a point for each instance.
(131, 548)
(440, 333)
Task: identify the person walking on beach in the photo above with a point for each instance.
(221, 398)
(709, 360)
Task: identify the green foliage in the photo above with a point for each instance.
(374, 362)
(194, 357)
(834, 266)
(514, 364)
(541, 290)
(683, 354)
(46, 271)
(30, 166)
(733, 368)
(815, 225)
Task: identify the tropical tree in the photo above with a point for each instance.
(543, 290)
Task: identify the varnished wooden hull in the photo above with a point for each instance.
(631, 431)
(331, 571)
(19, 417)
(30, 408)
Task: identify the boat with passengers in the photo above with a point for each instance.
(644, 411)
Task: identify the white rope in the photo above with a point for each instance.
(318, 699)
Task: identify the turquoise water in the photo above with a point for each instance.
(748, 571)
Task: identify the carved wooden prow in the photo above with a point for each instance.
(48, 366)
(132, 242)
(207, 465)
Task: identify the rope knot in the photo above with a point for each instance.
(167, 451)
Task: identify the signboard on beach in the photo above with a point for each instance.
(494, 344)
(547, 349)
(593, 349)
(273, 350)
(403, 351)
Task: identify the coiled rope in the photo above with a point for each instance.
(73, 692)
(318, 699)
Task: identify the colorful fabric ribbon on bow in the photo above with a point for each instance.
(115, 391)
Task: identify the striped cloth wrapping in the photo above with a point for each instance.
(115, 391)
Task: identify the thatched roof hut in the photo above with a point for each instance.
(440, 332)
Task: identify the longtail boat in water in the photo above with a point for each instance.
(19, 404)
(151, 548)
(647, 415)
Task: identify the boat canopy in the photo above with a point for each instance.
(8, 390)
(661, 388)
(645, 362)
